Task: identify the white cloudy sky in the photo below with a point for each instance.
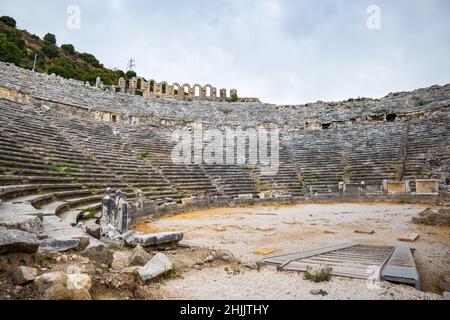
(283, 51)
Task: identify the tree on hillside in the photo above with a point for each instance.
(50, 51)
(9, 52)
(130, 74)
(91, 59)
(68, 48)
(119, 74)
(63, 67)
(8, 21)
(50, 38)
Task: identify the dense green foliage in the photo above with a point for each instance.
(8, 21)
(50, 38)
(234, 97)
(68, 48)
(19, 47)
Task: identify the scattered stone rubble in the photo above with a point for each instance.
(433, 217)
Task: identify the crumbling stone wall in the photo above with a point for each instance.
(163, 89)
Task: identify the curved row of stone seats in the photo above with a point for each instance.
(374, 153)
(368, 153)
(188, 179)
(232, 180)
(33, 148)
(57, 89)
(320, 159)
(202, 179)
(113, 150)
(428, 146)
(288, 179)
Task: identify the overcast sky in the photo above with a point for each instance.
(283, 51)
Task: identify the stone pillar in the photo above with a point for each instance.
(122, 84)
(108, 206)
(98, 82)
(223, 94)
(139, 201)
(133, 86)
(213, 93)
(119, 196)
(123, 216)
(203, 93)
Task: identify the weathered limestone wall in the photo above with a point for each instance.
(163, 89)
(15, 96)
(394, 187)
(149, 208)
(427, 186)
(320, 115)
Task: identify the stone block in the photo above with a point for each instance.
(157, 266)
(18, 241)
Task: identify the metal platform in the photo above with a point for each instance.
(401, 268)
(356, 261)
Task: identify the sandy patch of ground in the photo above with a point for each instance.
(249, 232)
(216, 283)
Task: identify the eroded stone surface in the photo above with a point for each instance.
(18, 241)
(158, 265)
(24, 275)
(59, 245)
(164, 238)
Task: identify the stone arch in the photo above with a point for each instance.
(186, 89)
(152, 86)
(142, 84)
(208, 91)
(164, 88)
(176, 89)
(197, 91)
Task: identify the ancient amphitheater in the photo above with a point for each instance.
(64, 142)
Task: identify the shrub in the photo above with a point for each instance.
(90, 59)
(44, 260)
(322, 276)
(8, 21)
(50, 38)
(68, 48)
(9, 52)
(234, 97)
(50, 51)
(119, 74)
(62, 67)
(130, 74)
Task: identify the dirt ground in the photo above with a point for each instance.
(220, 254)
(254, 232)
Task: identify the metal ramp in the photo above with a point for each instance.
(401, 268)
(355, 261)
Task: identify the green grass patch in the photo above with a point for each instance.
(89, 213)
(44, 260)
(144, 155)
(322, 276)
(232, 271)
